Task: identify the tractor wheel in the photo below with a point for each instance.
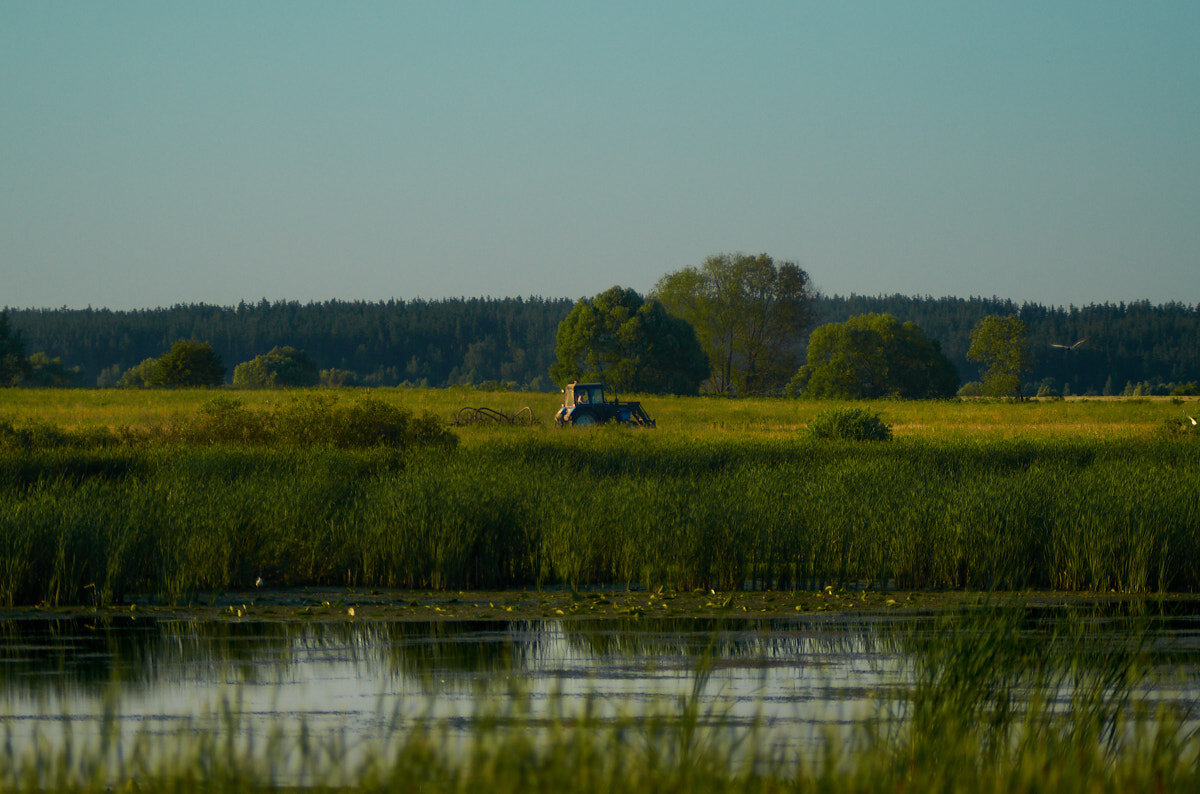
(583, 418)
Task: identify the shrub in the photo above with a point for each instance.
(366, 422)
(138, 376)
(1179, 428)
(850, 424)
(49, 373)
(338, 377)
(37, 435)
(187, 363)
(42, 435)
(223, 420)
(282, 366)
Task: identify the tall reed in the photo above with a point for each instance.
(81, 525)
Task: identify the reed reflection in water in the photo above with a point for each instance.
(798, 680)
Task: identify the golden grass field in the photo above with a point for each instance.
(707, 417)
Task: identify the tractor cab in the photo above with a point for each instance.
(583, 394)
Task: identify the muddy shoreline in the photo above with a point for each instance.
(368, 604)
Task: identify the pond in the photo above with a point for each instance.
(798, 681)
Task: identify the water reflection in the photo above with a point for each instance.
(797, 676)
(93, 654)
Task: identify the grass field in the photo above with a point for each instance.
(693, 417)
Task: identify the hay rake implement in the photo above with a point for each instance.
(490, 416)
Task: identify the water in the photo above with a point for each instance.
(351, 676)
(799, 680)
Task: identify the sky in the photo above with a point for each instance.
(158, 152)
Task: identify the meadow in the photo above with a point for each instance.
(173, 495)
(692, 417)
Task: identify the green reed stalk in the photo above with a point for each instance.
(81, 526)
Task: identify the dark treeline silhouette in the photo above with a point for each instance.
(512, 340)
(384, 343)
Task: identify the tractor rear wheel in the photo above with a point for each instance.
(583, 418)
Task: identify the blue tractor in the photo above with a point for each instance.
(585, 404)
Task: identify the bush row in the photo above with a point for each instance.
(321, 420)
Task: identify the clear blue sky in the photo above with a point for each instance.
(160, 152)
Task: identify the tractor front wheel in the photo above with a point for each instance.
(583, 418)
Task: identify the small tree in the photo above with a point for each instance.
(630, 343)
(874, 355)
(1000, 343)
(187, 363)
(282, 366)
(45, 372)
(136, 376)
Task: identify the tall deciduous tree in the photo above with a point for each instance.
(874, 355)
(1000, 343)
(629, 343)
(748, 313)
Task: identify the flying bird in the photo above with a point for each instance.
(1069, 347)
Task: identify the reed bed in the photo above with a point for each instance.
(95, 525)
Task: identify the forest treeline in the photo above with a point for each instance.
(384, 343)
(512, 340)
(1126, 344)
